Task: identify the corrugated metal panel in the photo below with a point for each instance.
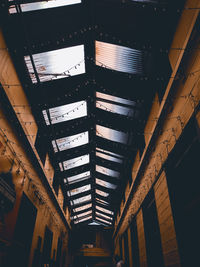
(57, 64)
(43, 5)
(119, 58)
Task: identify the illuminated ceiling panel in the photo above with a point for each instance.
(104, 156)
(105, 184)
(80, 200)
(75, 162)
(116, 99)
(84, 207)
(109, 152)
(104, 210)
(119, 58)
(43, 5)
(101, 201)
(102, 220)
(103, 215)
(77, 178)
(111, 134)
(57, 64)
(102, 193)
(78, 190)
(66, 112)
(70, 141)
(107, 171)
(129, 112)
(94, 223)
(82, 220)
(82, 214)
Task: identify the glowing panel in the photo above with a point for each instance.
(84, 207)
(105, 156)
(102, 193)
(76, 162)
(57, 64)
(119, 58)
(82, 214)
(110, 134)
(102, 220)
(115, 99)
(105, 184)
(78, 190)
(70, 141)
(77, 178)
(80, 200)
(129, 112)
(82, 220)
(103, 215)
(104, 210)
(107, 171)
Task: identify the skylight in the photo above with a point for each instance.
(103, 215)
(110, 134)
(75, 162)
(57, 64)
(105, 184)
(78, 190)
(43, 5)
(101, 201)
(115, 99)
(70, 141)
(82, 220)
(77, 178)
(102, 193)
(82, 208)
(109, 152)
(66, 112)
(94, 223)
(119, 58)
(102, 220)
(105, 156)
(80, 200)
(104, 210)
(129, 112)
(82, 214)
(107, 171)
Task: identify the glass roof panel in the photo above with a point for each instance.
(101, 201)
(80, 200)
(102, 193)
(113, 135)
(105, 156)
(78, 190)
(84, 207)
(75, 162)
(102, 220)
(77, 178)
(115, 99)
(82, 220)
(43, 5)
(94, 223)
(129, 112)
(105, 184)
(82, 214)
(66, 112)
(105, 210)
(119, 58)
(70, 141)
(57, 64)
(103, 215)
(109, 152)
(107, 171)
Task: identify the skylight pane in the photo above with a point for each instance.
(101, 201)
(103, 215)
(82, 214)
(43, 5)
(115, 99)
(66, 112)
(77, 178)
(111, 134)
(78, 190)
(119, 58)
(129, 112)
(102, 193)
(104, 156)
(94, 223)
(57, 64)
(82, 208)
(70, 141)
(107, 171)
(104, 210)
(105, 184)
(102, 220)
(82, 220)
(76, 162)
(109, 152)
(80, 200)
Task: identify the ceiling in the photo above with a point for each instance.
(90, 70)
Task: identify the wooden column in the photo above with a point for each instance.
(141, 239)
